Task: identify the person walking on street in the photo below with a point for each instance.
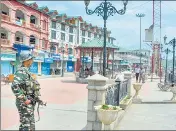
(137, 70)
(26, 90)
(142, 75)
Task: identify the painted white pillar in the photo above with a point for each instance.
(96, 96)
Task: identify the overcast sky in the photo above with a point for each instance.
(124, 28)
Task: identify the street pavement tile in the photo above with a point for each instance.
(9, 117)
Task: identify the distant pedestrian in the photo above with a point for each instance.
(137, 70)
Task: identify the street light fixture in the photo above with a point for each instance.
(173, 43)
(105, 9)
(86, 2)
(140, 16)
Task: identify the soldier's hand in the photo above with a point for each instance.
(27, 102)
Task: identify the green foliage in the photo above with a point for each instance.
(106, 107)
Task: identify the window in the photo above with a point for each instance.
(53, 34)
(71, 30)
(62, 36)
(70, 51)
(109, 40)
(70, 38)
(4, 13)
(44, 24)
(53, 24)
(53, 48)
(89, 34)
(95, 35)
(62, 27)
(3, 36)
(83, 32)
(43, 43)
(83, 40)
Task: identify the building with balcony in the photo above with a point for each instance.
(23, 24)
(50, 35)
(68, 32)
(131, 58)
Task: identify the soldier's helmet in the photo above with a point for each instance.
(26, 55)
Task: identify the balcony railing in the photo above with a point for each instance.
(5, 17)
(34, 26)
(5, 42)
(19, 42)
(20, 22)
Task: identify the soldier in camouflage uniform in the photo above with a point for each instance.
(22, 87)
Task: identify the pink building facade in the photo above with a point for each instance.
(23, 24)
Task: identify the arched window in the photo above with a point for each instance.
(20, 18)
(32, 40)
(44, 24)
(33, 19)
(70, 51)
(43, 43)
(19, 37)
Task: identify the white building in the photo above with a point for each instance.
(68, 32)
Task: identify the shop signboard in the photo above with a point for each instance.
(38, 59)
(48, 60)
(39, 55)
(86, 59)
(56, 57)
(71, 58)
(8, 57)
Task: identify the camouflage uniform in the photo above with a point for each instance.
(26, 112)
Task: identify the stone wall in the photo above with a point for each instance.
(97, 86)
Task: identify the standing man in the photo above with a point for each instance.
(137, 70)
(26, 90)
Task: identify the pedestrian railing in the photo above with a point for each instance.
(169, 78)
(116, 92)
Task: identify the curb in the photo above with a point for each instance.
(157, 102)
(121, 115)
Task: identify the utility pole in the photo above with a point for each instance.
(140, 16)
(62, 62)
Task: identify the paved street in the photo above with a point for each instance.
(66, 101)
(150, 116)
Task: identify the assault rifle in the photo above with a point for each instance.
(35, 100)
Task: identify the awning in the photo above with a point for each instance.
(20, 47)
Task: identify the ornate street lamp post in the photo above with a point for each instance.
(105, 9)
(172, 42)
(140, 16)
(167, 51)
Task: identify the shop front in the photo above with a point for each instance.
(7, 63)
(46, 66)
(56, 63)
(71, 63)
(39, 58)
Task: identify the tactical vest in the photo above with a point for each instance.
(32, 86)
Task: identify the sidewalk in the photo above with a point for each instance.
(66, 106)
(150, 116)
(66, 74)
